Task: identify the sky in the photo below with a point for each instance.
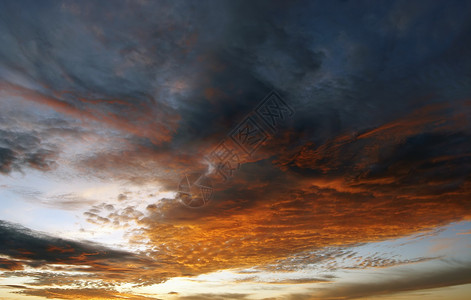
(214, 149)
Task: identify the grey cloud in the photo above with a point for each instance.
(7, 156)
(344, 66)
(402, 281)
(27, 248)
(18, 150)
(232, 296)
(24, 244)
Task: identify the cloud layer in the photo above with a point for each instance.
(135, 93)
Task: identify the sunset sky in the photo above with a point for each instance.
(359, 189)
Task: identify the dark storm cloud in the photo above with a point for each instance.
(129, 64)
(424, 153)
(374, 70)
(184, 74)
(26, 248)
(21, 243)
(71, 70)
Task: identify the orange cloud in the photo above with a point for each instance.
(10, 265)
(60, 249)
(388, 182)
(326, 195)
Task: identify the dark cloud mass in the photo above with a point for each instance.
(184, 74)
(135, 93)
(23, 248)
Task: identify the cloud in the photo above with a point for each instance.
(415, 143)
(68, 201)
(31, 140)
(342, 192)
(19, 150)
(402, 281)
(83, 293)
(87, 261)
(142, 123)
(7, 157)
(138, 92)
(7, 264)
(172, 90)
(232, 296)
